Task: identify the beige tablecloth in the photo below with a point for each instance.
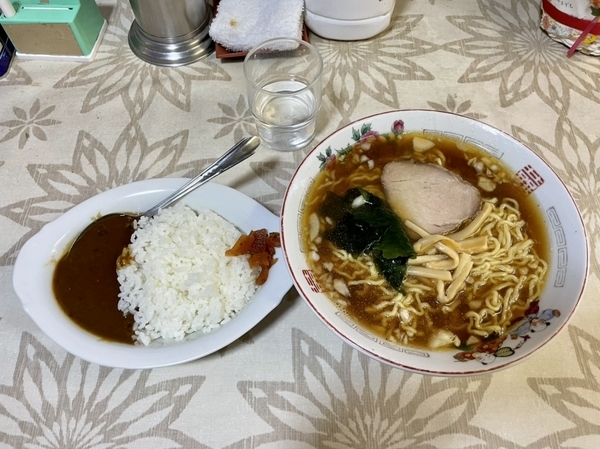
(69, 131)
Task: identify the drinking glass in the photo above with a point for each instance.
(284, 81)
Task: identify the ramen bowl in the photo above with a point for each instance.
(566, 251)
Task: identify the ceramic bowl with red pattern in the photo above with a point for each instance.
(531, 329)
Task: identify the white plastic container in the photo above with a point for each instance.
(348, 20)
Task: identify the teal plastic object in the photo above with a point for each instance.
(81, 16)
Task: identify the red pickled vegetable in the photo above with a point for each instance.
(241, 247)
(260, 246)
(260, 259)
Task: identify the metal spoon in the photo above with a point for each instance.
(238, 153)
(241, 151)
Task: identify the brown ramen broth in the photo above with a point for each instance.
(414, 314)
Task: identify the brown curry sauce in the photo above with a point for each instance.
(85, 280)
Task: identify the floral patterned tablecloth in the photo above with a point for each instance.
(69, 131)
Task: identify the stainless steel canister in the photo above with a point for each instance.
(170, 32)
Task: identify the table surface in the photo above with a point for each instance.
(69, 131)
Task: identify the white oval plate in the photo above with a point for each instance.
(32, 277)
(569, 252)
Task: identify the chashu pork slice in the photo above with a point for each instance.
(430, 196)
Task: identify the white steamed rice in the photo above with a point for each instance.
(180, 280)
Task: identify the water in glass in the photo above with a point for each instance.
(286, 122)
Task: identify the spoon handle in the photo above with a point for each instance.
(238, 153)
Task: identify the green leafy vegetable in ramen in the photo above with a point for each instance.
(365, 225)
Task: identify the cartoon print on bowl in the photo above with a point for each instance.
(484, 352)
(363, 137)
(505, 346)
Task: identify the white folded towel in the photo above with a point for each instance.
(241, 24)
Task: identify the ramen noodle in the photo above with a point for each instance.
(469, 285)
